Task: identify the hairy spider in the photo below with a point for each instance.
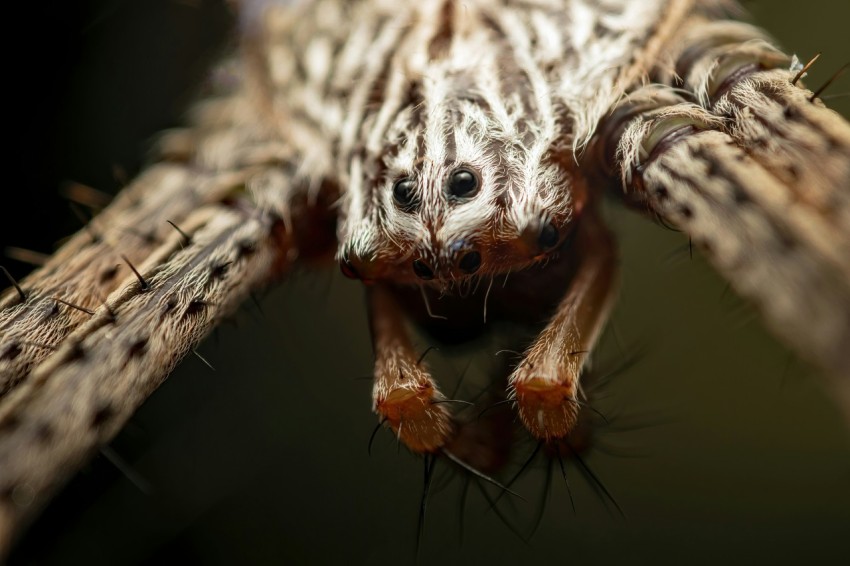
(559, 233)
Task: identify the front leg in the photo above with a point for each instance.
(546, 383)
(404, 395)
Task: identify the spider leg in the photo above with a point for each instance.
(404, 395)
(729, 147)
(104, 321)
(545, 385)
(731, 70)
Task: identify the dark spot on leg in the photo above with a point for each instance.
(195, 307)
(51, 310)
(44, 433)
(6, 494)
(112, 316)
(169, 306)
(137, 348)
(686, 211)
(77, 352)
(12, 352)
(219, 271)
(9, 424)
(740, 196)
(109, 274)
(102, 415)
(786, 241)
(794, 172)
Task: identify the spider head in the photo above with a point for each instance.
(445, 205)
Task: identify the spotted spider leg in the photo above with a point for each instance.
(746, 161)
(215, 218)
(210, 163)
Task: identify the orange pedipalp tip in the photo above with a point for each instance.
(411, 413)
(547, 409)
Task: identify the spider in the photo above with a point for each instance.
(363, 348)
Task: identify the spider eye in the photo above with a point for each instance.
(463, 183)
(470, 262)
(421, 269)
(548, 237)
(347, 269)
(403, 194)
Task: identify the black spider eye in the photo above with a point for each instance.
(403, 194)
(548, 237)
(421, 269)
(463, 183)
(347, 269)
(470, 262)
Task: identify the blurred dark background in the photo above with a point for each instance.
(721, 446)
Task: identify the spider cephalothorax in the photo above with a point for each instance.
(466, 168)
(474, 201)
